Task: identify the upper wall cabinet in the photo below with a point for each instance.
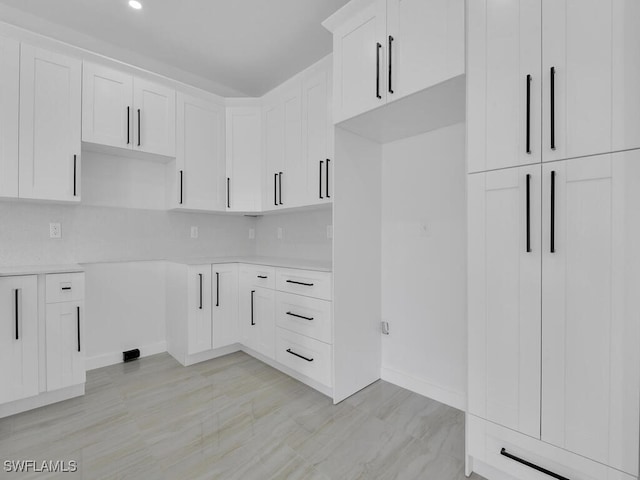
(9, 105)
(387, 49)
(50, 97)
(584, 100)
(120, 110)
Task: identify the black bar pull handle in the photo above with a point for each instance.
(139, 127)
(378, 47)
(252, 293)
(17, 312)
(390, 64)
(552, 111)
(299, 316)
(327, 180)
(280, 188)
(528, 150)
(552, 228)
(275, 189)
(181, 185)
(228, 192)
(75, 170)
(300, 283)
(78, 320)
(128, 125)
(65, 288)
(320, 179)
(504, 453)
(262, 276)
(528, 213)
(200, 276)
(299, 356)
(217, 289)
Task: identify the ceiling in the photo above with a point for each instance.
(243, 47)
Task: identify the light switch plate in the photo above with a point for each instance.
(55, 231)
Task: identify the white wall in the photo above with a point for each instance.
(424, 264)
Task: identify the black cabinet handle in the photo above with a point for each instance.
(217, 289)
(181, 184)
(128, 125)
(553, 213)
(75, 169)
(228, 192)
(280, 188)
(17, 311)
(504, 453)
(390, 64)
(299, 356)
(327, 180)
(300, 283)
(65, 288)
(275, 189)
(528, 114)
(320, 179)
(139, 127)
(262, 276)
(299, 316)
(528, 213)
(552, 111)
(378, 47)
(200, 275)
(252, 293)
(78, 320)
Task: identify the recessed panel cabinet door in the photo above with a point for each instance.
(107, 106)
(65, 345)
(199, 337)
(18, 337)
(274, 150)
(591, 325)
(591, 72)
(9, 105)
(226, 329)
(154, 118)
(504, 84)
(265, 321)
(50, 118)
(294, 182)
(504, 297)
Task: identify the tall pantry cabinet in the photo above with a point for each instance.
(554, 322)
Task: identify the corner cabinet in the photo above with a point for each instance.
(257, 309)
(9, 116)
(50, 129)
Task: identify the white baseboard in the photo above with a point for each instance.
(40, 400)
(209, 355)
(104, 360)
(448, 397)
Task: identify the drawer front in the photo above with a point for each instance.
(304, 315)
(486, 441)
(258, 275)
(304, 282)
(65, 287)
(304, 355)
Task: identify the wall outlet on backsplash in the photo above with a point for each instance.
(194, 232)
(252, 233)
(55, 231)
(280, 233)
(329, 231)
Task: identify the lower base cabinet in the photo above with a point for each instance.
(65, 358)
(257, 306)
(305, 355)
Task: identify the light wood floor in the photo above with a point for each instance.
(235, 418)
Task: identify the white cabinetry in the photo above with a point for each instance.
(257, 310)
(9, 114)
(224, 303)
(50, 98)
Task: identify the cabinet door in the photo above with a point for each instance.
(503, 128)
(154, 118)
(273, 121)
(50, 118)
(425, 44)
(265, 321)
(65, 346)
(294, 180)
(244, 159)
(9, 98)
(199, 338)
(107, 104)
(200, 154)
(317, 135)
(18, 337)
(225, 305)
(591, 331)
(504, 297)
(593, 47)
(359, 62)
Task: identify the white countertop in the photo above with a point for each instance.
(320, 266)
(39, 269)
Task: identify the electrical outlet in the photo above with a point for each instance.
(55, 231)
(194, 232)
(252, 233)
(280, 235)
(329, 231)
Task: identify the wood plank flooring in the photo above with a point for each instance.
(235, 418)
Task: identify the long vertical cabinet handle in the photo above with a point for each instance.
(78, 320)
(228, 192)
(75, 172)
(552, 110)
(200, 307)
(139, 141)
(217, 289)
(128, 125)
(280, 188)
(252, 293)
(320, 179)
(17, 312)
(327, 180)
(552, 229)
(275, 189)
(378, 47)
(181, 184)
(528, 187)
(390, 64)
(528, 150)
